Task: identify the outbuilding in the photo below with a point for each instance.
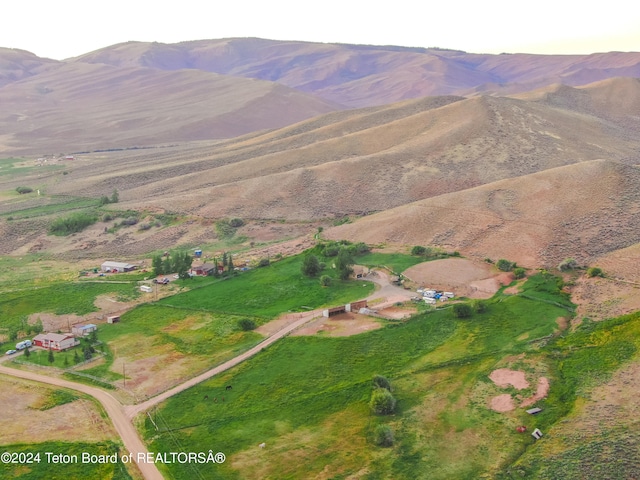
(83, 330)
(117, 267)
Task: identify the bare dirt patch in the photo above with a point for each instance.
(343, 325)
(541, 392)
(502, 403)
(503, 377)
(79, 420)
(464, 277)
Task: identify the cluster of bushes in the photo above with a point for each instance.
(382, 403)
(114, 198)
(75, 222)
(246, 324)
(23, 190)
(466, 310)
(507, 266)
(431, 252)
(227, 228)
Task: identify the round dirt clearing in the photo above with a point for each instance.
(464, 277)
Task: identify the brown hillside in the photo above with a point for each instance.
(581, 211)
(80, 106)
(356, 162)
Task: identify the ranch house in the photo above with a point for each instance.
(204, 269)
(55, 341)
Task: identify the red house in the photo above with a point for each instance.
(55, 341)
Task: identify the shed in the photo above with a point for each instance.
(533, 411)
(146, 288)
(83, 330)
(330, 312)
(113, 319)
(355, 306)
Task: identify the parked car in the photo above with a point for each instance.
(10, 352)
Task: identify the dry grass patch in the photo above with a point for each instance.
(23, 421)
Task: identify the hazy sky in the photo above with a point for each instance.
(65, 28)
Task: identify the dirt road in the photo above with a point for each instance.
(122, 416)
(121, 422)
(133, 410)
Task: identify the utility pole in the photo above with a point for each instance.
(124, 377)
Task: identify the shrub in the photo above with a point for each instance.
(246, 324)
(418, 250)
(129, 221)
(144, 226)
(505, 265)
(381, 382)
(519, 272)
(383, 436)
(595, 272)
(23, 190)
(478, 306)
(75, 222)
(462, 310)
(107, 217)
(567, 264)
(382, 402)
(236, 222)
(264, 262)
(326, 280)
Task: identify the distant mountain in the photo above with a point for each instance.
(363, 75)
(18, 64)
(141, 94)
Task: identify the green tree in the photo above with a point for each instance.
(66, 360)
(27, 352)
(114, 197)
(505, 265)
(87, 353)
(418, 250)
(381, 382)
(326, 280)
(479, 306)
(38, 327)
(50, 358)
(462, 310)
(519, 272)
(382, 402)
(157, 265)
(310, 266)
(343, 264)
(383, 436)
(76, 357)
(246, 324)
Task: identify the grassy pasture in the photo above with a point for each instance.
(307, 398)
(48, 469)
(57, 298)
(270, 291)
(50, 205)
(397, 262)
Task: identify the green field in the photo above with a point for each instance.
(37, 464)
(270, 291)
(396, 262)
(307, 398)
(57, 298)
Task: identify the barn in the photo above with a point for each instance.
(117, 267)
(83, 330)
